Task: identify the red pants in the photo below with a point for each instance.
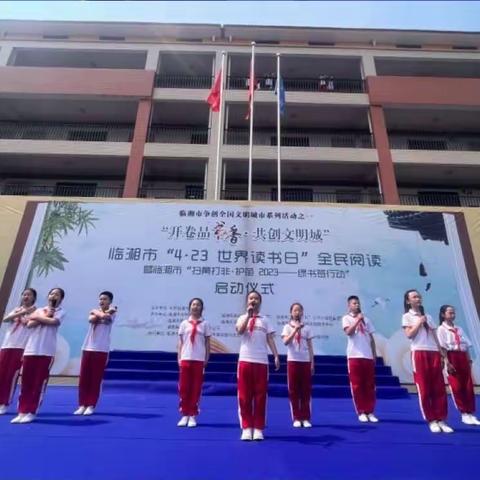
(361, 372)
(190, 386)
(10, 364)
(428, 376)
(461, 383)
(252, 394)
(36, 369)
(91, 376)
(300, 389)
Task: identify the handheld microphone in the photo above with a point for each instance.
(422, 312)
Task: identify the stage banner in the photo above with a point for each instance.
(155, 257)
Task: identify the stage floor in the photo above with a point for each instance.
(134, 436)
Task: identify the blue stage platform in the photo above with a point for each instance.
(159, 371)
(133, 436)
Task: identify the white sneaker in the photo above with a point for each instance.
(17, 418)
(474, 420)
(467, 419)
(80, 411)
(434, 427)
(444, 427)
(307, 424)
(28, 418)
(363, 418)
(89, 411)
(3, 409)
(297, 423)
(257, 434)
(192, 422)
(183, 422)
(246, 434)
(372, 418)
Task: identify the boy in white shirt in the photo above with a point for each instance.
(95, 349)
(361, 356)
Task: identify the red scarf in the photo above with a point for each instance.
(194, 324)
(361, 326)
(18, 322)
(298, 336)
(458, 340)
(251, 324)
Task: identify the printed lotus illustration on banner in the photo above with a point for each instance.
(155, 257)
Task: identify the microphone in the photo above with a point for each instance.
(52, 304)
(422, 312)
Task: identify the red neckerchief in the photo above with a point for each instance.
(194, 322)
(298, 335)
(18, 322)
(361, 325)
(251, 323)
(458, 340)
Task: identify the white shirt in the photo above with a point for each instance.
(424, 339)
(43, 338)
(297, 352)
(196, 350)
(253, 345)
(98, 336)
(17, 334)
(359, 343)
(446, 338)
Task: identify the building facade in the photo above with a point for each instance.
(119, 110)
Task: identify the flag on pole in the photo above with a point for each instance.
(280, 91)
(214, 97)
(251, 88)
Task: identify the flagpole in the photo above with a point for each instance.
(220, 129)
(279, 138)
(250, 147)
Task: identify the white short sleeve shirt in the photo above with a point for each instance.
(98, 336)
(447, 338)
(253, 345)
(17, 333)
(359, 343)
(43, 338)
(197, 349)
(424, 339)
(297, 349)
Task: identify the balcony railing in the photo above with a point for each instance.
(183, 81)
(304, 195)
(434, 142)
(76, 132)
(440, 199)
(172, 134)
(189, 192)
(299, 138)
(319, 84)
(62, 190)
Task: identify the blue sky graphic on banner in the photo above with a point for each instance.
(156, 256)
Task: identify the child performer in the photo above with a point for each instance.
(193, 354)
(361, 356)
(300, 366)
(256, 334)
(95, 354)
(13, 346)
(454, 341)
(427, 362)
(39, 355)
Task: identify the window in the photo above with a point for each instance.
(439, 199)
(426, 144)
(194, 192)
(349, 196)
(293, 194)
(87, 135)
(67, 189)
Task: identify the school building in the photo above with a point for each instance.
(103, 109)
